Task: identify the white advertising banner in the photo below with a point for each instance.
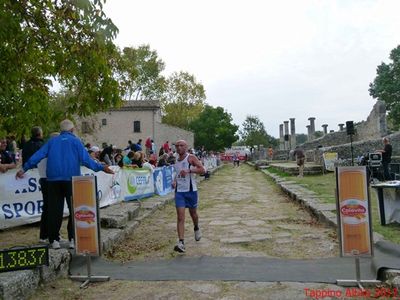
(21, 200)
(137, 183)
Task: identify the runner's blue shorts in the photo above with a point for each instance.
(186, 199)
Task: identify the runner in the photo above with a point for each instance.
(186, 166)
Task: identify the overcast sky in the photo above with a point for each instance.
(273, 59)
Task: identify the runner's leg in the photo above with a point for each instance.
(180, 213)
(195, 216)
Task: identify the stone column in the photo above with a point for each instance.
(341, 125)
(308, 133)
(325, 127)
(312, 127)
(281, 140)
(286, 134)
(292, 133)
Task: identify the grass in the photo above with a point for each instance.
(278, 172)
(324, 186)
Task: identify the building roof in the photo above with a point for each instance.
(135, 105)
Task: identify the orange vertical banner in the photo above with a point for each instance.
(354, 213)
(86, 215)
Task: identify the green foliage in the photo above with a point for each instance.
(183, 100)
(301, 138)
(386, 87)
(253, 133)
(213, 129)
(139, 73)
(41, 41)
(318, 134)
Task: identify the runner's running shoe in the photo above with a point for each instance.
(197, 235)
(180, 247)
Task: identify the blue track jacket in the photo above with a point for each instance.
(65, 155)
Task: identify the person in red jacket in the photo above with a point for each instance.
(166, 147)
(147, 144)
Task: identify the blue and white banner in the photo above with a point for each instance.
(163, 180)
(136, 183)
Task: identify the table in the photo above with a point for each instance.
(388, 201)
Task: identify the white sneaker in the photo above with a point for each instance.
(55, 245)
(197, 235)
(72, 244)
(180, 247)
(43, 241)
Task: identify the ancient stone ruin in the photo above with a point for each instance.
(367, 137)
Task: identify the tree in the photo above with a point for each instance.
(183, 100)
(301, 138)
(42, 41)
(253, 133)
(140, 71)
(386, 87)
(213, 129)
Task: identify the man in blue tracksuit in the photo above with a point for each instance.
(65, 155)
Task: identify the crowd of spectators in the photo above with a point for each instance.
(134, 155)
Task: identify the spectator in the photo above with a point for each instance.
(137, 159)
(65, 155)
(153, 159)
(153, 147)
(171, 158)
(6, 161)
(137, 147)
(42, 165)
(148, 146)
(127, 160)
(129, 147)
(270, 153)
(118, 160)
(300, 157)
(161, 152)
(145, 163)
(94, 153)
(33, 145)
(162, 161)
(386, 158)
(12, 146)
(166, 147)
(106, 156)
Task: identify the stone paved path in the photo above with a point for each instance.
(242, 214)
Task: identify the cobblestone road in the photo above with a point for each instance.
(241, 214)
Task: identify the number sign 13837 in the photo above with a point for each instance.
(23, 258)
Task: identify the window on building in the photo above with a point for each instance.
(136, 126)
(85, 127)
(104, 122)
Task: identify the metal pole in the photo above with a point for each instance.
(351, 148)
(358, 272)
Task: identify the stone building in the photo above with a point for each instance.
(134, 120)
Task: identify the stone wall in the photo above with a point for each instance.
(375, 126)
(169, 133)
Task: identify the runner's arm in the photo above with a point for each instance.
(196, 165)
